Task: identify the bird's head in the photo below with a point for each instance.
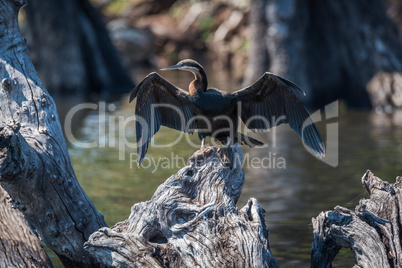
(186, 65)
(201, 81)
(191, 66)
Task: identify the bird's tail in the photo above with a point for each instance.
(244, 139)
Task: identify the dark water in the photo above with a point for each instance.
(292, 185)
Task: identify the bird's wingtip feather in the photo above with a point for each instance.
(132, 97)
(134, 93)
(321, 150)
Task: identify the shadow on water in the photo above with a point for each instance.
(291, 192)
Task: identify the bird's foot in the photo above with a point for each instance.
(228, 143)
(202, 154)
(202, 143)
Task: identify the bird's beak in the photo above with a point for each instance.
(171, 68)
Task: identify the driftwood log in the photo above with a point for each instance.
(191, 221)
(372, 231)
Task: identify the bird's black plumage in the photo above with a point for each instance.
(154, 90)
(269, 102)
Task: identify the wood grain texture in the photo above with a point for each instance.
(191, 221)
(35, 166)
(19, 245)
(372, 231)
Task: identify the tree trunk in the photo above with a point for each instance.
(35, 166)
(19, 246)
(332, 49)
(371, 231)
(72, 49)
(191, 221)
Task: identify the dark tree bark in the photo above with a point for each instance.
(191, 221)
(258, 60)
(372, 231)
(18, 243)
(72, 49)
(35, 167)
(332, 49)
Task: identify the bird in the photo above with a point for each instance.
(270, 101)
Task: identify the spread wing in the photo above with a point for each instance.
(160, 103)
(272, 101)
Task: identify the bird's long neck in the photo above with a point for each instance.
(200, 83)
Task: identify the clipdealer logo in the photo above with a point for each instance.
(113, 129)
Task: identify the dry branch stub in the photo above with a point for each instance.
(191, 221)
(371, 231)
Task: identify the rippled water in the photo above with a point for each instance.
(291, 196)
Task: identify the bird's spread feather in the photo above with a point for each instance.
(160, 103)
(272, 101)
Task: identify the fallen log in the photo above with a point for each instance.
(371, 231)
(191, 221)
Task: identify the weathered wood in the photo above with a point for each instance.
(191, 221)
(35, 167)
(372, 231)
(19, 246)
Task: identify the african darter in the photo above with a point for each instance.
(269, 102)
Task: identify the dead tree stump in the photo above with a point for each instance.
(191, 221)
(372, 231)
(35, 168)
